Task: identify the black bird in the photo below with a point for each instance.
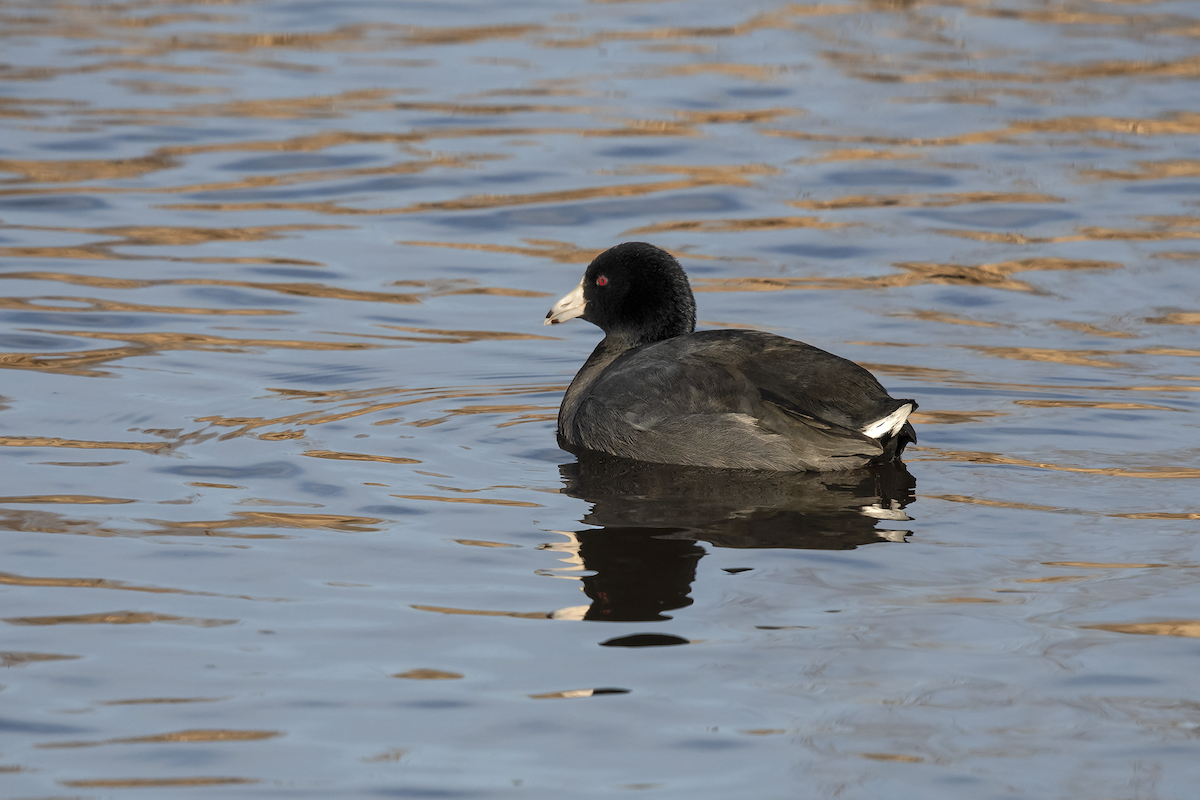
(655, 390)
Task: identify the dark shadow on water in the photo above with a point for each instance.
(649, 519)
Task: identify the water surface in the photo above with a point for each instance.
(283, 513)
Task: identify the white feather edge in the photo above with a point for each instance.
(889, 425)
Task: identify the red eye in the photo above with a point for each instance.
(602, 281)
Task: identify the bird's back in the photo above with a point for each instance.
(733, 399)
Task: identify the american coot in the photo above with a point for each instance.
(655, 390)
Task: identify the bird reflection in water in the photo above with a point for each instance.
(649, 518)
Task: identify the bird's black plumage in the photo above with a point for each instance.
(655, 390)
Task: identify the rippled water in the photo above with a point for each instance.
(282, 510)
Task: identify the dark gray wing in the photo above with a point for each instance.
(735, 399)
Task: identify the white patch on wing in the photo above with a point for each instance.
(890, 424)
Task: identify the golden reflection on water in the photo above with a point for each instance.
(953, 417)
(1149, 171)
(562, 252)
(484, 613)
(262, 519)
(1093, 330)
(1176, 318)
(966, 600)
(155, 700)
(1188, 515)
(426, 674)
(164, 88)
(464, 336)
(90, 304)
(517, 414)
(858, 154)
(714, 177)
(1078, 358)
(442, 288)
(119, 618)
(70, 499)
(137, 783)
(160, 341)
(1057, 579)
(21, 659)
(1178, 627)
(1171, 123)
(1102, 565)
(200, 735)
(104, 253)
(487, 501)
(960, 498)
(90, 170)
(1168, 232)
(148, 235)
(40, 173)
(54, 441)
(896, 757)
(1111, 405)
(356, 407)
(737, 225)
(103, 583)
(1154, 472)
(359, 457)
(9, 72)
(925, 200)
(67, 364)
(1038, 74)
(931, 315)
(995, 275)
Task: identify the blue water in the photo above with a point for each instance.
(283, 510)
